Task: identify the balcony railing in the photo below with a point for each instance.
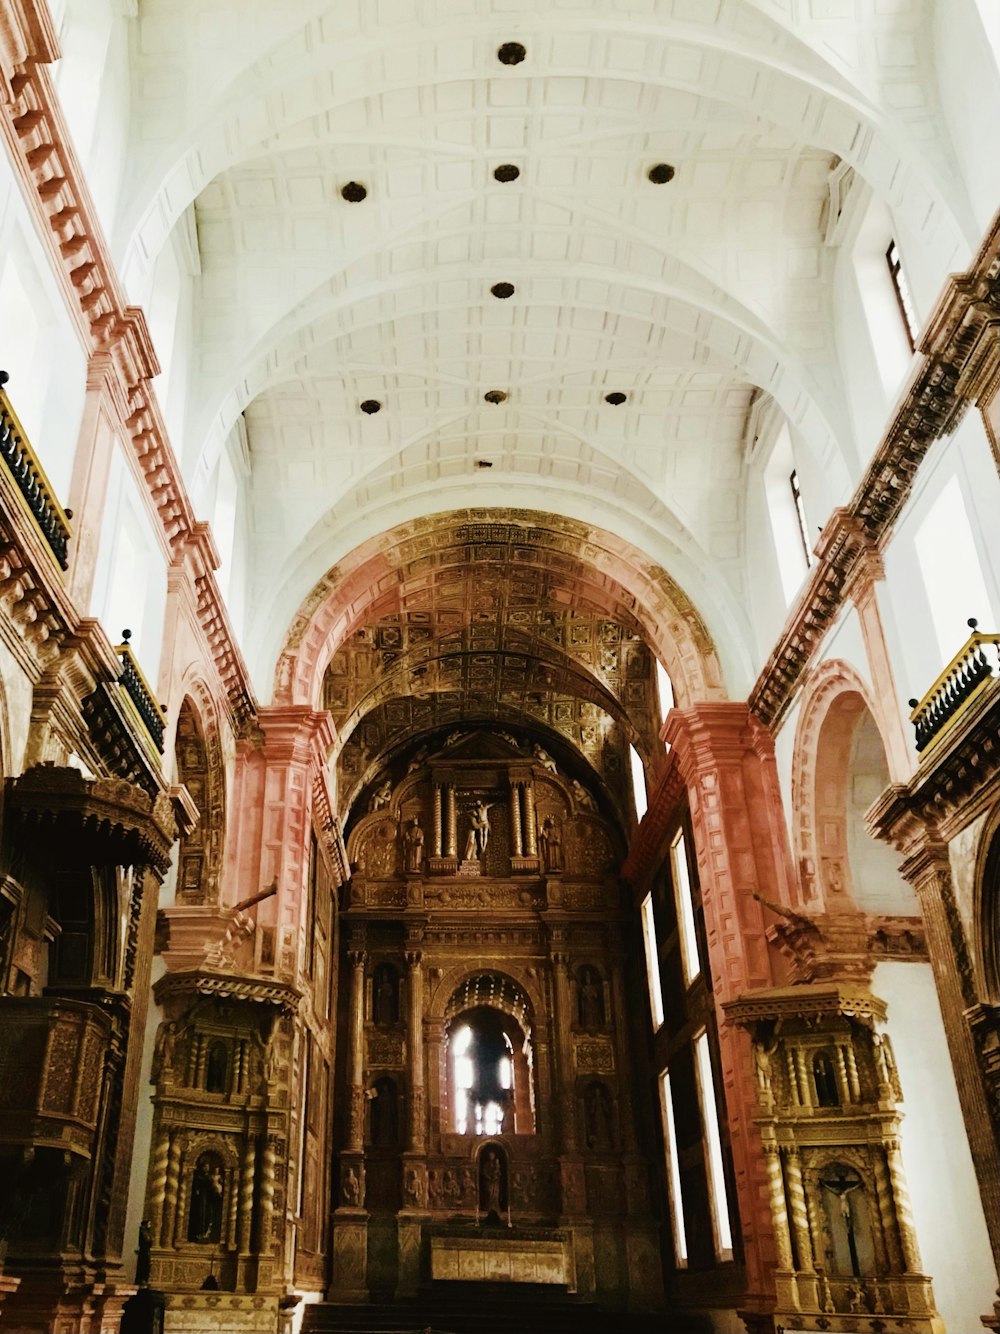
(963, 679)
(139, 693)
(34, 486)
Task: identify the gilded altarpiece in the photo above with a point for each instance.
(485, 907)
(216, 1193)
(829, 1099)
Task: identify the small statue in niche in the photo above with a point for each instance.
(381, 796)
(590, 999)
(163, 1052)
(885, 1065)
(413, 1188)
(479, 831)
(550, 840)
(143, 1261)
(583, 798)
(350, 1187)
(413, 847)
(597, 1116)
(385, 995)
(492, 1185)
(207, 1189)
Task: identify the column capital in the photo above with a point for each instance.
(414, 958)
(357, 958)
(709, 735)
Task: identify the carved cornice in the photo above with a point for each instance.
(103, 821)
(844, 945)
(194, 983)
(960, 352)
(810, 1000)
(42, 150)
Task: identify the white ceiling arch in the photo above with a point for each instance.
(769, 76)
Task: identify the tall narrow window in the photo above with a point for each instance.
(800, 514)
(664, 692)
(638, 782)
(951, 570)
(676, 1200)
(721, 1227)
(685, 909)
(652, 961)
(904, 298)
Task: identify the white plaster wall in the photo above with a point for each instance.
(92, 79)
(39, 345)
(130, 581)
(969, 87)
(16, 703)
(947, 1211)
(966, 456)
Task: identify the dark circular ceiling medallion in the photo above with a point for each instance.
(507, 172)
(371, 405)
(495, 396)
(511, 53)
(616, 399)
(661, 173)
(502, 290)
(354, 192)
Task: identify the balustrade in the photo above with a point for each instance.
(34, 486)
(957, 685)
(139, 692)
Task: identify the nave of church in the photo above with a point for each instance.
(499, 655)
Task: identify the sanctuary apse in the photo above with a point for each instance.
(532, 859)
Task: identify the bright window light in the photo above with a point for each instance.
(950, 569)
(652, 961)
(673, 1173)
(638, 782)
(713, 1149)
(685, 909)
(664, 689)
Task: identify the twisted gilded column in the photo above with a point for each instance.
(158, 1183)
(267, 1194)
(797, 1209)
(776, 1193)
(530, 830)
(415, 1034)
(901, 1199)
(170, 1193)
(517, 846)
(356, 1046)
(452, 821)
(437, 830)
(245, 1225)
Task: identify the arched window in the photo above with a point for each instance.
(487, 1082)
(482, 1074)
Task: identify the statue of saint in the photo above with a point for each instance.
(491, 1185)
(479, 831)
(591, 999)
(597, 1114)
(550, 839)
(143, 1262)
(381, 796)
(207, 1187)
(413, 847)
(544, 758)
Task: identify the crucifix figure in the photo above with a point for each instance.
(841, 1181)
(479, 830)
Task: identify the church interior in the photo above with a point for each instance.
(499, 666)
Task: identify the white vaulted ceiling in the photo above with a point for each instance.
(686, 296)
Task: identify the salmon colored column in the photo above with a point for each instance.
(270, 821)
(726, 759)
